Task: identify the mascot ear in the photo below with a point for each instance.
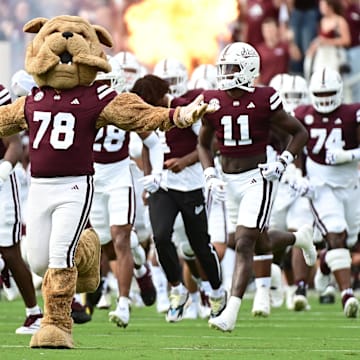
(103, 35)
(34, 25)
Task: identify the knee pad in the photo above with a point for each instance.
(338, 259)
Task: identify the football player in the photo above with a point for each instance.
(113, 209)
(290, 210)
(242, 124)
(332, 167)
(180, 190)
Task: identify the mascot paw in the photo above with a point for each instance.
(51, 337)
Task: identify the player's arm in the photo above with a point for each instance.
(205, 141)
(153, 158)
(12, 156)
(282, 121)
(155, 151)
(337, 155)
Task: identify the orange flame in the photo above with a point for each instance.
(191, 31)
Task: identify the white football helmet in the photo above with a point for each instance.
(203, 77)
(115, 76)
(293, 90)
(326, 89)
(237, 66)
(131, 67)
(175, 73)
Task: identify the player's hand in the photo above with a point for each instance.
(187, 115)
(272, 171)
(302, 187)
(151, 182)
(336, 156)
(217, 189)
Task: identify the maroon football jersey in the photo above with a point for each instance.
(62, 128)
(5, 97)
(339, 126)
(111, 145)
(181, 142)
(242, 125)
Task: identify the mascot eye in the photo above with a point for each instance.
(82, 34)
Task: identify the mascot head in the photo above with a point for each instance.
(66, 51)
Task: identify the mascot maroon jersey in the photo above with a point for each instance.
(323, 129)
(242, 124)
(62, 128)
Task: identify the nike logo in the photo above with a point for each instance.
(199, 209)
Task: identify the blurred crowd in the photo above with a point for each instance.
(292, 36)
(15, 13)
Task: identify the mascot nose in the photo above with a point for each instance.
(67, 34)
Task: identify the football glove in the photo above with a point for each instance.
(151, 182)
(216, 187)
(187, 115)
(273, 170)
(336, 156)
(301, 186)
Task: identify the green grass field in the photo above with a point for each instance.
(321, 333)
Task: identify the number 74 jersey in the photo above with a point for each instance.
(335, 129)
(242, 125)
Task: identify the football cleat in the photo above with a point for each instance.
(217, 305)
(79, 313)
(222, 323)
(351, 306)
(300, 301)
(191, 312)
(304, 240)
(261, 303)
(147, 288)
(31, 325)
(93, 298)
(178, 303)
(328, 296)
(105, 301)
(120, 316)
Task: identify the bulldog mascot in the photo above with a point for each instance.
(62, 115)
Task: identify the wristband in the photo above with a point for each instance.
(286, 158)
(5, 169)
(209, 173)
